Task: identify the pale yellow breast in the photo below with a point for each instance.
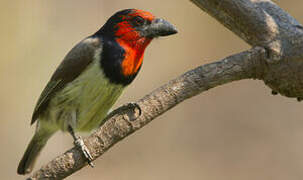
(91, 95)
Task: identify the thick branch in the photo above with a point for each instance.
(248, 64)
(258, 22)
(263, 23)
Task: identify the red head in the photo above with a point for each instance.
(133, 30)
(128, 29)
(133, 24)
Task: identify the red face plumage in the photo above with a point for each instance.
(131, 40)
(125, 37)
(126, 30)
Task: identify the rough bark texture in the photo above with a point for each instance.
(276, 58)
(263, 23)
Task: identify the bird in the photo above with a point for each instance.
(90, 79)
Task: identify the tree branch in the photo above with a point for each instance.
(258, 22)
(240, 66)
(263, 23)
(277, 59)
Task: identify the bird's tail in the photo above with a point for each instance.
(33, 150)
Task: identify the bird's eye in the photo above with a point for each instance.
(138, 20)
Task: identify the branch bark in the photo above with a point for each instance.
(240, 66)
(276, 58)
(263, 23)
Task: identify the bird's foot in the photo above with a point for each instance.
(133, 106)
(126, 107)
(80, 144)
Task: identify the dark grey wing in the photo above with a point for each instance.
(70, 68)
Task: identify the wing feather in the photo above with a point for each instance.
(70, 68)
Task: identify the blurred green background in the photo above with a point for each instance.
(234, 132)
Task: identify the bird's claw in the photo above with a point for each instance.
(126, 107)
(133, 106)
(80, 144)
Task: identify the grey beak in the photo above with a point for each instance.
(159, 27)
